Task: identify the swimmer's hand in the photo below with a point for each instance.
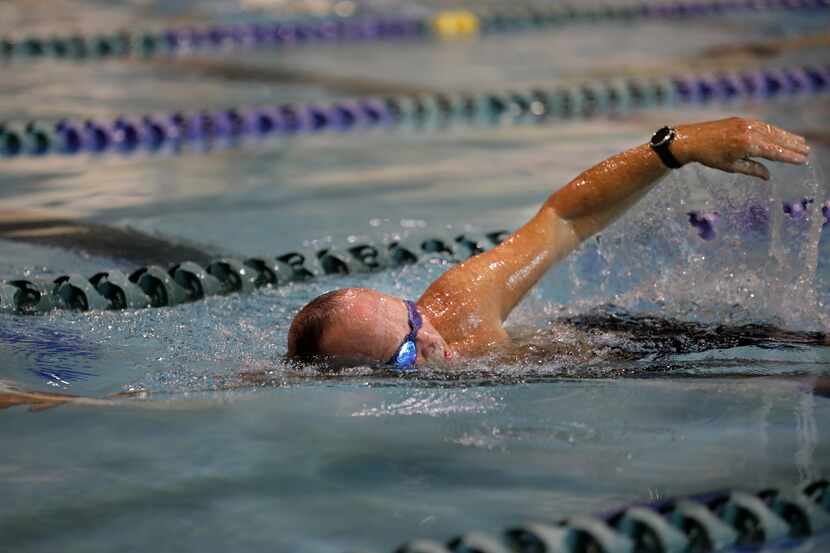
(728, 145)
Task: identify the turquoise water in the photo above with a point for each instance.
(224, 447)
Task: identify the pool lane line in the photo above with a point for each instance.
(446, 24)
(724, 521)
(188, 281)
(155, 286)
(203, 130)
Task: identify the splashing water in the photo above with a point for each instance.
(762, 270)
(760, 264)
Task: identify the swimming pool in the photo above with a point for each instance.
(215, 461)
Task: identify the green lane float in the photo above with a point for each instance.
(718, 522)
(155, 286)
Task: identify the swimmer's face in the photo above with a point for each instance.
(367, 326)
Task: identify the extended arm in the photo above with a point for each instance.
(470, 301)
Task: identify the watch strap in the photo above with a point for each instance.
(662, 147)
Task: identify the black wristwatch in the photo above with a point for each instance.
(660, 143)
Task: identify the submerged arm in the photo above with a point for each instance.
(470, 301)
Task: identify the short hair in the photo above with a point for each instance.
(310, 324)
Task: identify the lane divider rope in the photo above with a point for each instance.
(201, 130)
(723, 521)
(155, 286)
(315, 30)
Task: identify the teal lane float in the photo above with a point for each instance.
(721, 521)
(206, 129)
(156, 286)
(447, 24)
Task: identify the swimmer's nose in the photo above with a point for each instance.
(432, 351)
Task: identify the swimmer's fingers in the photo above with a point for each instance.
(761, 147)
(749, 167)
(781, 137)
(728, 143)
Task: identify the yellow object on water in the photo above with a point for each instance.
(456, 24)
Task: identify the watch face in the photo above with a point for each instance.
(662, 136)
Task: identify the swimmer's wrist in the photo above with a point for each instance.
(682, 147)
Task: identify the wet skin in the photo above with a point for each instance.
(464, 309)
(369, 328)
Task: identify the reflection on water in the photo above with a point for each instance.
(769, 268)
(807, 429)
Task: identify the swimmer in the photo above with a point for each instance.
(461, 314)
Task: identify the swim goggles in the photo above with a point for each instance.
(407, 353)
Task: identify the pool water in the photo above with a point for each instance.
(654, 363)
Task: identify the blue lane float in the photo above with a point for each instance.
(723, 521)
(797, 210)
(755, 218)
(704, 223)
(445, 24)
(205, 129)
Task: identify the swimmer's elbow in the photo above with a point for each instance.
(585, 227)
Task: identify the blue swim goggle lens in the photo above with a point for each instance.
(407, 353)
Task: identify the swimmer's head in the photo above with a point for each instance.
(355, 326)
